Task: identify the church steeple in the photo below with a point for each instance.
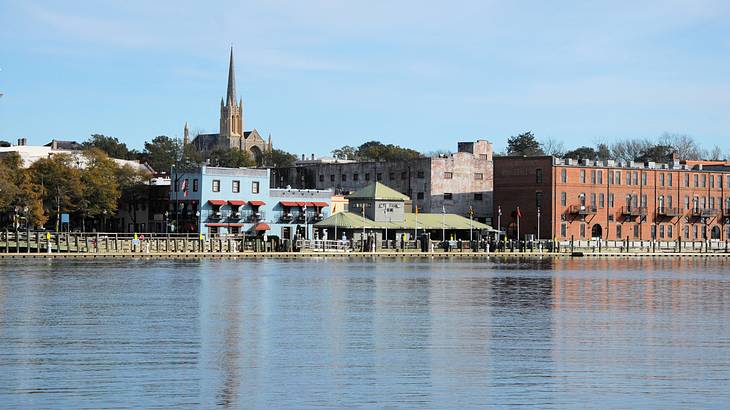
(231, 93)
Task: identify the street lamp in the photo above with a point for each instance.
(197, 221)
(167, 214)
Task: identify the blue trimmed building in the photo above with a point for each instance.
(239, 201)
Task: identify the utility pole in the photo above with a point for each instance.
(471, 226)
(538, 229)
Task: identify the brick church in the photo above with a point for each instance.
(232, 134)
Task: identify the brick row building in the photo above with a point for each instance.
(613, 200)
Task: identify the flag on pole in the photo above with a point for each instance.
(184, 187)
(518, 213)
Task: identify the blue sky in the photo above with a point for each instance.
(321, 74)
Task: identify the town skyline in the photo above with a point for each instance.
(137, 81)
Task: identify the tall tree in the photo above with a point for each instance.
(656, 153)
(377, 151)
(345, 152)
(230, 158)
(582, 153)
(524, 144)
(552, 147)
(100, 187)
(162, 153)
(60, 180)
(630, 149)
(277, 158)
(110, 145)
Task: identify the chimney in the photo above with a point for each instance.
(302, 157)
(54, 144)
(312, 157)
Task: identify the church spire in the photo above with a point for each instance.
(231, 94)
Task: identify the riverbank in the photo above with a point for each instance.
(381, 254)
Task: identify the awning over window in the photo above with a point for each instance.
(261, 227)
(289, 203)
(217, 202)
(223, 225)
(256, 203)
(320, 204)
(236, 202)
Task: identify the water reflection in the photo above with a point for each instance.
(336, 333)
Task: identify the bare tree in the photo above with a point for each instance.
(630, 149)
(685, 147)
(715, 154)
(551, 146)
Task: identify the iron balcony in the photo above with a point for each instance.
(583, 210)
(671, 212)
(633, 210)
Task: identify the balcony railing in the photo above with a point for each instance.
(633, 211)
(670, 212)
(583, 210)
(214, 216)
(705, 212)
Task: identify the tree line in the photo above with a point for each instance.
(661, 149)
(59, 185)
(162, 152)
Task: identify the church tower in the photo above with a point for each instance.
(231, 124)
(186, 135)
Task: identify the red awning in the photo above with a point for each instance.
(217, 202)
(261, 227)
(303, 203)
(289, 203)
(237, 202)
(256, 203)
(320, 204)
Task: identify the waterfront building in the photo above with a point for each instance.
(454, 183)
(386, 213)
(239, 201)
(232, 133)
(612, 200)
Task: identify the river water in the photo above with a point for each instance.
(363, 333)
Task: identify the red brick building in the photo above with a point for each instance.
(612, 200)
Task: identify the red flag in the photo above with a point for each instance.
(184, 187)
(518, 213)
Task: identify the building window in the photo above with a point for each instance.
(643, 179)
(653, 231)
(195, 185)
(235, 186)
(379, 176)
(669, 179)
(344, 177)
(618, 177)
(610, 178)
(321, 177)
(419, 175)
(564, 175)
(255, 187)
(391, 176)
(628, 177)
(601, 200)
(582, 230)
(643, 200)
(563, 199)
(332, 177)
(618, 231)
(564, 230)
(582, 176)
(538, 176)
(448, 196)
(600, 177)
(538, 200)
(636, 231)
(448, 175)
(704, 181)
(593, 201)
(636, 178)
(610, 200)
(686, 180)
(355, 176)
(669, 231)
(669, 201)
(478, 197)
(686, 202)
(696, 231)
(661, 179)
(403, 175)
(593, 177)
(478, 176)
(697, 180)
(367, 176)
(712, 181)
(419, 195)
(216, 185)
(686, 232)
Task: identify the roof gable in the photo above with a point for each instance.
(378, 191)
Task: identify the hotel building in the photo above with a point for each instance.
(612, 200)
